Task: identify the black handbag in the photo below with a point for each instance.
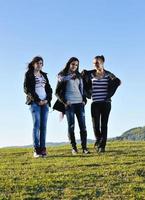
(59, 106)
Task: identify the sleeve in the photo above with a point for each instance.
(86, 76)
(29, 90)
(48, 92)
(59, 92)
(114, 83)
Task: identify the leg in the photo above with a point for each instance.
(43, 125)
(95, 113)
(105, 111)
(71, 124)
(35, 110)
(80, 114)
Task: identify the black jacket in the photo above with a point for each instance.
(113, 83)
(60, 94)
(29, 88)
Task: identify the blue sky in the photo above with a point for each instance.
(58, 30)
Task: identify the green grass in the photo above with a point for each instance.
(117, 174)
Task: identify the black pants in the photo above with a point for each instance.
(100, 114)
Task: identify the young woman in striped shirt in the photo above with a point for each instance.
(100, 85)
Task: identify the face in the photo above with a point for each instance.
(38, 65)
(98, 64)
(73, 66)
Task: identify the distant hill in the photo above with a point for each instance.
(135, 134)
(89, 141)
(51, 144)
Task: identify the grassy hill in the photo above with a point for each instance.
(118, 174)
(135, 134)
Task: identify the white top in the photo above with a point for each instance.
(40, 83)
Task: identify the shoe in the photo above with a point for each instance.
(74, 151)
(36, 152)
(43, 152)
(35, 155)
(86, 151)
(96, 144)
(101, 150)
(96, 147)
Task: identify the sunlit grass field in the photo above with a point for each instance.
(117, 174)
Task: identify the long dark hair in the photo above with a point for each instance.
(64, 72)
(34, 60)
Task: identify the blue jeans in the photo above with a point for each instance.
(39, 115)
(70, 112)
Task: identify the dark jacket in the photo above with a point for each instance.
(29, 88)
(113, 83)
(60, 94)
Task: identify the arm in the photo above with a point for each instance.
(59, 92)
(83, 91)
(29, 88)
(48, 92)
(86, 76)
(113, 77)
(114, 83)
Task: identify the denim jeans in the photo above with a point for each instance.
(39, 116)
(100, 114)
(79, 111)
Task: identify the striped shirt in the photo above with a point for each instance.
(99, 88)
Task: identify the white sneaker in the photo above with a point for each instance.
(74, 152)
(35, 155)
(85, 151)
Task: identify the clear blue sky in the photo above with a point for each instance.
(58, 30)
